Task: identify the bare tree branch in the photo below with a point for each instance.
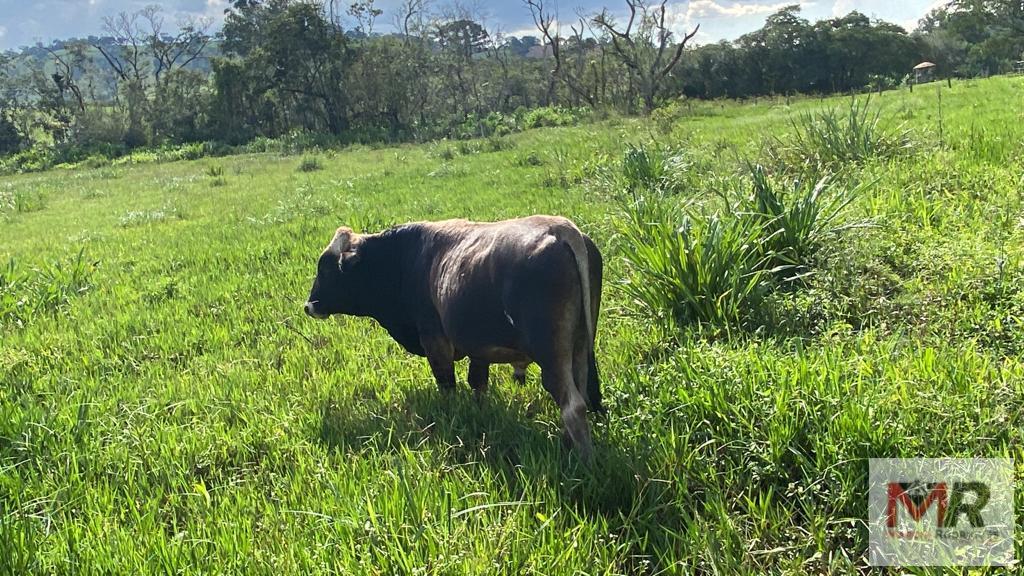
(64, 76)
(643, 49)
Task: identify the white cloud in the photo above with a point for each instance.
(720, 16)
(216, 7)
(3, 31)
(714, 9)
(906, 14)
(911, 23)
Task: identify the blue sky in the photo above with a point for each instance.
(25, 22)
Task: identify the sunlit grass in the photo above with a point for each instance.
(173, 410)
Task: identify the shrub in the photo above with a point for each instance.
(95, 162)
(441, 150)
(664, 117)
(498, 124)
(553, 116)
(467, 148)
(30, 160)
(292, 143)
(215, 171)
(193, 151)
(11, 139)
(261, 144)
(98, 129)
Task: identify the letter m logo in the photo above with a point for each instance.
(916, 499)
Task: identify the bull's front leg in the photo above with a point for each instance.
(519, 372)
(441, 356)
(479, 372)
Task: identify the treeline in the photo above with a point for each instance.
(964, 38)
(281, 67)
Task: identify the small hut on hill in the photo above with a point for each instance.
(924, 72)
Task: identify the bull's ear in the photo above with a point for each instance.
(342, 241)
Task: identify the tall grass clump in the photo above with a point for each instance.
(687, 268)
(441, 150)
(712, 264)
(829, 139)
(797, 218)
(651, 169)
(310, 164)
(21, 200)
(25, 294)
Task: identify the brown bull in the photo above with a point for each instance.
(517, 291)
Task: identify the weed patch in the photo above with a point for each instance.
(19, 201)
(145, 217)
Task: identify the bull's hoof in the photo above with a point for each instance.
(567, 441)
(585, 452)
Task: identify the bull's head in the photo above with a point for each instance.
(330, 293)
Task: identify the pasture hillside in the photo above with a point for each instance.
(165, 406)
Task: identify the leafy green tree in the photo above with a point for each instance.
(974, 37)
(11, 138)
(295, 62)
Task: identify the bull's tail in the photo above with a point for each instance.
(579, 251)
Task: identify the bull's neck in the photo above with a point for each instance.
(382, 274)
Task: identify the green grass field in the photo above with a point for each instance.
(166, 407)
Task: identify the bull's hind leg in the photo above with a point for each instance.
(557, 378)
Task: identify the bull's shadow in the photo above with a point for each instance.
(520, 442)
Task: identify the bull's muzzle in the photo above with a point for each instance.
(312, 313)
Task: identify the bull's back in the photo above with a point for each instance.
(487, 277)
